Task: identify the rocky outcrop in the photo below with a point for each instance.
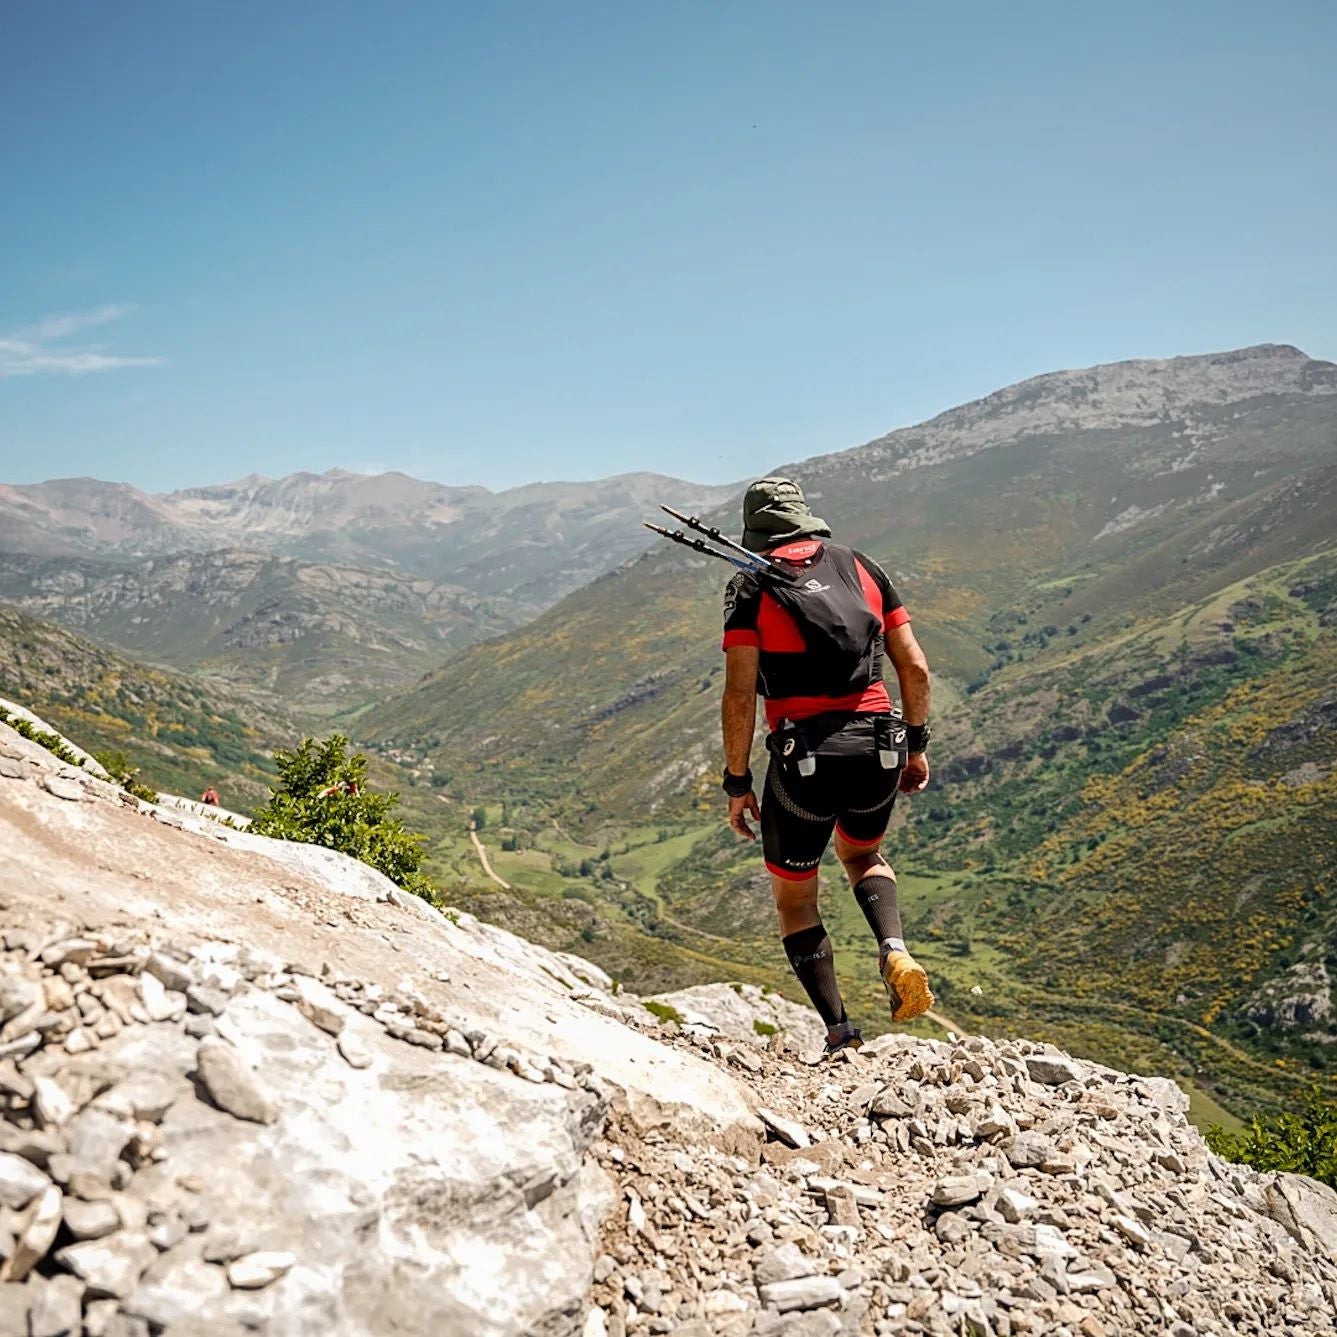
(973, 1187)
(359, 1161)
(740, 1012)
(85, 759)
(1306, 1211)
(254, 1093)
(244, 1089)
(1300, 997)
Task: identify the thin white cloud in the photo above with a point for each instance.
(39, 349)
(61, 327)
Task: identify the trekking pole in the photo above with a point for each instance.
(698, 545)
(752, 562)
(694, 522)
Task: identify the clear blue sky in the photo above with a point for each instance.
(496, 242)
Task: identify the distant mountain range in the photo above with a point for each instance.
(326, 589)
(531, 544)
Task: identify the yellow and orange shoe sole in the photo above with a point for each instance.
(907, 987)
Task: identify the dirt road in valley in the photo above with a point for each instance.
(481, 850)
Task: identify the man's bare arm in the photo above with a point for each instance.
(738, 710)
(911, 672)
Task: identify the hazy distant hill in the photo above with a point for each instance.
(531, 544)
(1106, 567)
(318, 634)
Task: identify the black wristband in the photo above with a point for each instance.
(737, 785)
(917, 736)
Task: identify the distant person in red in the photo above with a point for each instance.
(210, 796)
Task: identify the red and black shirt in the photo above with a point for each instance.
(798, 677)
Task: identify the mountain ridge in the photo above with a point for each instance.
(529, 544)
(1217, 378)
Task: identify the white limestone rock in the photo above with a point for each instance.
(745, 1013)
(255, 1270)
(20, 1180)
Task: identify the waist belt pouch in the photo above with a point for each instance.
(892, 750)
(789, 746)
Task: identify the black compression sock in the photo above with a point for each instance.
(811, 955)
(876, 894)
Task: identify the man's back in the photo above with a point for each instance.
(820, 640)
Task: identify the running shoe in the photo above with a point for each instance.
(851, 1041)
(907, 986)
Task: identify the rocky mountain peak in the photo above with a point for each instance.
(250, 1086)
(1119, 395)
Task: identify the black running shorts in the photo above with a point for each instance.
(849, 792)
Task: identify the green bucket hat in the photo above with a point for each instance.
(774, 512)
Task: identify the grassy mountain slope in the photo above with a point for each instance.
(622, 668)
(183, 733)
(1089, 594)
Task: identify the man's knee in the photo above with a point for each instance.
(789, 892)
(859, 863)
(795, 902)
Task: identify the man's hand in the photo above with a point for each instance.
(739, 809)
(914, 774)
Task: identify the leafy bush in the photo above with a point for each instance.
(664, 1011)
(126, 774)
(1303, 1143)
(52, 742)
(322, 798)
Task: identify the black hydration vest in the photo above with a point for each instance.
(842, 635)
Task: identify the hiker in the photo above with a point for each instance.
(811, 645)
(210, 796)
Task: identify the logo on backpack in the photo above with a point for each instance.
(815, 586)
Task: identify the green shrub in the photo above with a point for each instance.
(52, 742)
(126, 774)
(1302, 1143)
(664, 1011)
(764, 1027)
(322, 798)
